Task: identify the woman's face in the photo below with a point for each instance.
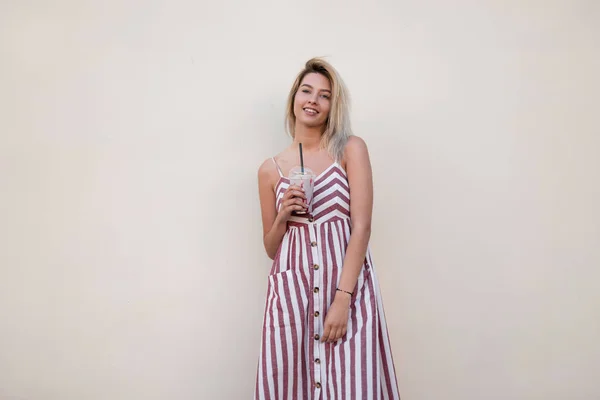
(313, 100)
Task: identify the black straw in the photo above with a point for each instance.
(301, 158)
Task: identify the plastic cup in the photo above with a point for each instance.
(306, 181)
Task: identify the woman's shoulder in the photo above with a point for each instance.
(269, 168)
(355, 142)
(356, 147)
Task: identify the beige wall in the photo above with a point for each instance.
(131, 263)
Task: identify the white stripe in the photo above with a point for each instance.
(369, 335)
(268, 355)
(282, 259)
(338, 369)
(347, 358)
(297, 308)
(358, 349)
(308, 339)
(278, 345)
(335, 187)
(325, 182)
(331, 260)
(287, 332)
(331, 203)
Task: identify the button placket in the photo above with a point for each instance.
(318, 323)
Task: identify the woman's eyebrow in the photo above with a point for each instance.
(322, 90)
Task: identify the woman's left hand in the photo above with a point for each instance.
(336, 321)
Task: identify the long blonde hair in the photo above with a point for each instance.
(338, 129)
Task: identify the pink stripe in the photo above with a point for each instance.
(286, 364)
(333, 373)
(263, 361)
(301, 270)
(353, 371)
(282, 181)
(325, 289)
(297, 340)
(363, 344)
(344, 368)
(385, 361)
(333, 268)
(325, 298)
(373, 312)
(370, 287)
(392, 378)
(334, 207)
(277, 332)
(352, 343)
(333, 195)
(281, 188)
(344, 365)
(266, 373)
(339, 181)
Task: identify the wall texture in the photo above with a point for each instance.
(131, 262)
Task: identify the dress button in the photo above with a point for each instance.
(310, 219)
(317, 361)
(315, 266)
(316, 314)
(313, 244)
(316, 290)
(318, 385)
(317, 337)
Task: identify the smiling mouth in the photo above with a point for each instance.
(310, 111)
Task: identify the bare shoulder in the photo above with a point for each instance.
(267, 172)
(356, 149)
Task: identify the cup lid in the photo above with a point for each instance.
(297, 171)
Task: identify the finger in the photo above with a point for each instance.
(326, 332)
(297, 194)
(294, 193)
(295, 204)
(331, 338)
(338, 335)
(300, 202)
(332, 334)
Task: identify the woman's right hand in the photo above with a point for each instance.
(293, 199)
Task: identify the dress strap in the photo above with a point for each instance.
(277, 165)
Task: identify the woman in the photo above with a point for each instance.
(324, 332)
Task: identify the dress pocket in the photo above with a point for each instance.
(280, 307)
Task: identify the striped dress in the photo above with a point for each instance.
(293, 363)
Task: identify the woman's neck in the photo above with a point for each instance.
(309, 137)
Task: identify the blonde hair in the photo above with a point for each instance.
(337, 130)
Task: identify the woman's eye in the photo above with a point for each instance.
(325, 96)
(305, 91)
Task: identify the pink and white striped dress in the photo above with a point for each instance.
(293, 363)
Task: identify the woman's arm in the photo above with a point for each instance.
(360, 180)
(358, 168)
(274, 223)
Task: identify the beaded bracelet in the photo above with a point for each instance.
(342, 290)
